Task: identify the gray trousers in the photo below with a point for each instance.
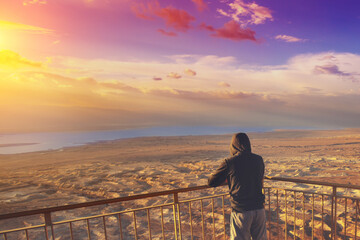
(248, 225)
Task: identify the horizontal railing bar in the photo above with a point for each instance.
(202, 198)
(22, 229)
(347, 197)
(299, 191)
(156, 194)
(295, 180)
(109, 214)
(311, 192)
(100, 202)
(113, 213)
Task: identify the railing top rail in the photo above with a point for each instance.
(100, 202)
(322, 183)
(156, 194)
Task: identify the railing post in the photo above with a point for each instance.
(333, 213)
(176, 202)
(48, 223)
(269, 214)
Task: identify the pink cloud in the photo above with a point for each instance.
(157, 78)
(173, 17)
(200, 4)
(170, 34)
(206, 27)
(145, 11)
(176, 18)
(233, 31)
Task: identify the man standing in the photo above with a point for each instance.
(244, 173)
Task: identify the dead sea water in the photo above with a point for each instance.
(33, 142)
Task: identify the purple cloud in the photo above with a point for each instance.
(330, 69)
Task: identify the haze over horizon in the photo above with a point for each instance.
(75, 65)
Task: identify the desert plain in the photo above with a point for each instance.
(117, 168)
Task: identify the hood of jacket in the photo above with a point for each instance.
(240, 144)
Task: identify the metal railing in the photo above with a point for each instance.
(322, 211)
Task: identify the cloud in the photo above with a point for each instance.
(224, 84)
(233, 31)
(203, 95)
(6, 25)
(207, 27)
(266, 79)
(247, 13)
(117, 94)
(329, 69)
(213, 60)
(53, 89)
(328, 65)
(170, 34)
(32, 2)
(312, 90)
(40, 101)
(118, 86)
(287, 38)
(190, 72)
(180, 20)
(10, 59)
(145, 11)
(176, 18)
(200, 4)
(174, 75)
(329, 57)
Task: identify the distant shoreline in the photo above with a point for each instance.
(44, 141)
(16, 144)
(35, 142)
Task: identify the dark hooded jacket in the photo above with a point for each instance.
(244, 173)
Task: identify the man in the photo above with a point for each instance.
(244, 173)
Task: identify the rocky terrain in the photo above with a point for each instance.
(134, 166)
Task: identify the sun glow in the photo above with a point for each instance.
(16, 36)
(118, 63)
(6, 25)
(3, 40)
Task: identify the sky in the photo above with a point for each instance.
(81, 65)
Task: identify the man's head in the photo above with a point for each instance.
(240, 143)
